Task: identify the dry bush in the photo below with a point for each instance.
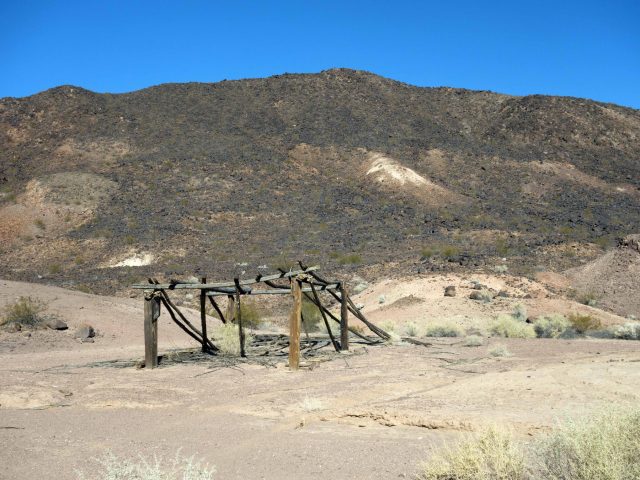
(551, 326)
(508, 327)
(25, 312)
(603, 447)
(499, 351)
(582, 323)
(227, 339)
(411, 329)
(443, 330)
(473, 341)
(111, 467)
(493, 455)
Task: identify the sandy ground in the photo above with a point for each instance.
(372, 414)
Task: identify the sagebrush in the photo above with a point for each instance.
(25, 311)
(509, 327)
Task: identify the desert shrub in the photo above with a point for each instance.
(25, 311)
(520, 313)
(227, 339)
(311, 404)
(508, 327)
(251, 316)
(111, 467)
(473, 341)
(443, 330)
(500, 269)
(603, 447)
(551, 326)
(40, 224)
(628, 331)
(411, 329)
(588, 298)
(350, 259)
(388, 326)
(54, 268)
(499, 351)
(493, 455)
(583, 323)
(312, 316)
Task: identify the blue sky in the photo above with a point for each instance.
(578, 48)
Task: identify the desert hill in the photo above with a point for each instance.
(343, 168)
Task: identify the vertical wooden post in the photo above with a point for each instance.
(344, 318)
(294, 326)
(203, 314)
(151, 314)
(239, 321)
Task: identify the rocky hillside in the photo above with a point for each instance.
(344, 168)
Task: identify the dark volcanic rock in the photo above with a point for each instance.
(56, 324)
(84, 332)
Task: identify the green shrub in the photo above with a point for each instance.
(26, 311)
(312, 316)
(628, 331)
(602, 447)
(508, 327)
(251, 316)
(411, 329)
(583, 323)
(54, 269)
(520, 313)
(473, 341)
(589, 299)
(551, 326)
(493, 455)
(443, 330)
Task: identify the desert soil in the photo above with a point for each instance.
(375, 413)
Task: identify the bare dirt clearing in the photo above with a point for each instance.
(374, 413)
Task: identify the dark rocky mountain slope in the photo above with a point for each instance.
(344, 168)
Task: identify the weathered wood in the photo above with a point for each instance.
(203, 314)
(239, 318)
(344, 319)
(324, 318)
(294, 326)
(275, 276)
(217, 309)
(276, 291)
(151, 314)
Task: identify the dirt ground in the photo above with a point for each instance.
(374, 413)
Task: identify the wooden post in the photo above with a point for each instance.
(344, 318)
(151, 314)
(294, 326)
(203, 314)
(239, 321)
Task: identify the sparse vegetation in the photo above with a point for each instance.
(551, 326)
(520, 313)
(499, 351)
(588, 298)
(509, 327)
(111, 467)
(628, 331)
(54, 269)
(251, 316)
(311, 314)
(40, 224)
(443, 250)
(227, 339)
(473, 341)
(493, 455)
(443, 330)
(500, 269)
(310, 404)
(24, 312)
(411, 329)
(582, 323)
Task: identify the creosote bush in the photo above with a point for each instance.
(26, 312)
(583, 323)
(499, 351)
(227, 339)
(508, 327)
(473, 341)
(628, 331)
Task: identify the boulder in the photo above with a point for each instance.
(56, 324)
(84, 332)
(450, 291)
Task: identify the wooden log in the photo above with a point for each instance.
(239, 319)
(294, 326)
(324, 318)
(180, 324)
(217, 309)
(178, 285)
(203, 314)
(344, 319)
(282, 290)
(151, 314)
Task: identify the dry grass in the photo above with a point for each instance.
(25, 312)
(473, 341)
(499, 351)
(444, 329)
(509, 327)
(227, 339)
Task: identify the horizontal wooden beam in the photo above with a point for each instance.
(201, 286)
(274, 291)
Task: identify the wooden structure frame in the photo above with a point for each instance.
(303, 283)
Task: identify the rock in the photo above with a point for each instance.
(483, 296)
(84, 332)
(450, 291)
(56, 324)
(503, 294)
(381, 299)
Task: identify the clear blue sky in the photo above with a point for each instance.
(562, 47)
